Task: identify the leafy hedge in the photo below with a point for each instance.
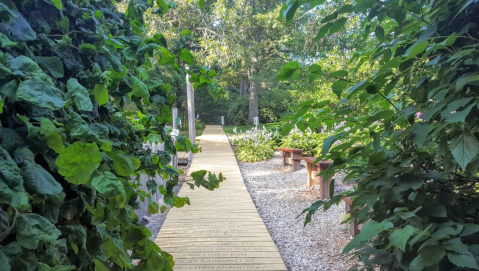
(67, 68)
(417, 173)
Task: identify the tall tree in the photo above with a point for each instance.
(244, 36)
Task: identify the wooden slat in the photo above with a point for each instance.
(221, 230)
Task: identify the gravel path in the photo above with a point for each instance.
(280, 196)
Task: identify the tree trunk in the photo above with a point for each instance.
(244, 87)
(253, 102)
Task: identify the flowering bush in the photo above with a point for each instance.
(254, 146)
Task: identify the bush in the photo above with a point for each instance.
(254, 147)
(308, 141)
(417, 177)
(239, 111)
(199, 125)
(252, 153)
(211, 110)
(273, 105)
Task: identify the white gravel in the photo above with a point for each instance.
(280, 196)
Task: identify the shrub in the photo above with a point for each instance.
(254, 147)
(273, 105)
(417, 177)
(239, 111)
(211, 110)
(254, 153)
(308, 141)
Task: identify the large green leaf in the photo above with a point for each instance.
(337, 25)
(339, 86)
(5, 266)
(369, 230)
(417, 48)
(459, 116)
(186, 56)
(101, 94)
(399, 237)
(323, 31)
(33, 228)
(466, 79)
(122, 164)
(288, 71)
(41, 94)
(463, 260)
(78, 162)
(166, 57)
(110, 187)
(53, 64)
(290, 9)
(464, 148)
(147, 49)
(38, 180)
(327, 144)
(50, 132)
(58, 4)
(11, 183)
(428, 256)
(16, 24)
(5, 41)
(79, 95)
(139, 88)
(79, 129)
(25, 66)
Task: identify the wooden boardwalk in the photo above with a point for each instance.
(221, 230)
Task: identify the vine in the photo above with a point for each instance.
(67, 152)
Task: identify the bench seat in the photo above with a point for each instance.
(292, 157)
(313, 170)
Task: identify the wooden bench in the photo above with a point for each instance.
(354, 228)
(292, 157)
(313, 171)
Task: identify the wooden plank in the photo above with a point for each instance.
(220, 230)
(182, 255)
(245, 267)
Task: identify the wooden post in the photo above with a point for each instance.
(174, 158)
(191, 111)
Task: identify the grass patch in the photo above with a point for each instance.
(269, 126)
(186, 133)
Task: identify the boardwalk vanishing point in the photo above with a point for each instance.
(221, 229)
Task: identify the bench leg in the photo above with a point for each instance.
(285, 155)
(353, 227)
(296, 165)
(315, 179)
(324, 188)
(310, 179)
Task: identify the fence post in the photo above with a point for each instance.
(191, 112)
(174, 158)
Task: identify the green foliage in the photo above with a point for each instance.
(254, 146)
(272, 105)
(252, 153)
(239, 111)
(409, 139)
(67, 151)
(308, 141)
